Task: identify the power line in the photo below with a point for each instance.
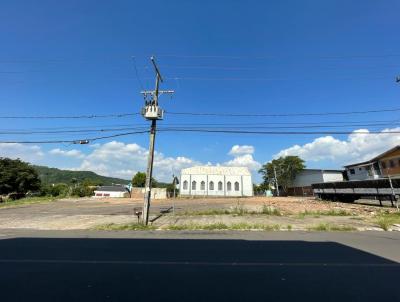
(90, 116)
(192, 126)
(137, 73)
(75, 141)
(120, 115)
(278, 132)
(263, 57)
(281, 114)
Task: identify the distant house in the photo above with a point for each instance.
(304, 179)
(111, 191)
(216, 181)
(383, 165)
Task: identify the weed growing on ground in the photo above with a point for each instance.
(267, 210)
(330, 227)
(124, 227)
(386, 220)
(239, 209)
(317, 214)
(223, 226)
(27, 200)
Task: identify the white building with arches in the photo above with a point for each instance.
(216, 181)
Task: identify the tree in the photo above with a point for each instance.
(286, 170)
(139, 180)
(17, 176)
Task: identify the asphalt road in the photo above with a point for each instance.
(199, 266)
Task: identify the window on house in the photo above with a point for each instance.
(185, 185)
(359, 169)
(352, 171)
(391, 163)
(211, 186)
(383, 164)
(193, 185)
(236, 186)
(202, 185)
(228, 186)
(220, 186)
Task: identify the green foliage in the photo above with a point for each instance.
(261, 188)
(139, 180)
(222, 226)
(125, 227)
(317, 214)
(386, 220)
(286, 170)
(326, 227)
(55, 190)
(82, 191)
(17, 176)
(267, 210)
(50, 176)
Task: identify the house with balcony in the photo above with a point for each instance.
(381, 166)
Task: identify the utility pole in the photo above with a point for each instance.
(151, 111)
(276, 182)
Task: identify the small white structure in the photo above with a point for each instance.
(307, 177)
(216, 181)
(304, 179)
(111, 191)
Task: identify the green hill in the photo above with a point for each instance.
(54, 175)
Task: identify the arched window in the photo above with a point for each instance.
(185, 185)
(236, 186)
(228, 186)
(220, 186)
(193, 185)
(202, 185)
(211, 186)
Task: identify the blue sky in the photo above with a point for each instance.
(75, 58)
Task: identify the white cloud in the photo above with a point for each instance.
(358, 146)
(124, 160)
(69, 153)
(239, 150)
(31, 153)
(246, 160)
(243, 157)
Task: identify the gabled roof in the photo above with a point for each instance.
(216, 170)
(112, 189)
(376, 158)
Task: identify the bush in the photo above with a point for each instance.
(55, 190)
(82, 191)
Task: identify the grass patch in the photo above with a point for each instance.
(317, 214)
(124, 227)
(25, 201)
(222, 226)
(206, 212)
(238, 210)
(267, 210)
(326, 227)
(386, 220)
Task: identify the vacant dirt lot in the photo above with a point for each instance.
(285, 212)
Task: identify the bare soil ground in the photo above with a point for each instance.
(281, 212)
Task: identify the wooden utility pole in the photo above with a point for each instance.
(151, 111)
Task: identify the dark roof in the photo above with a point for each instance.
(112, 188)
(324, 170)
(375, 158)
